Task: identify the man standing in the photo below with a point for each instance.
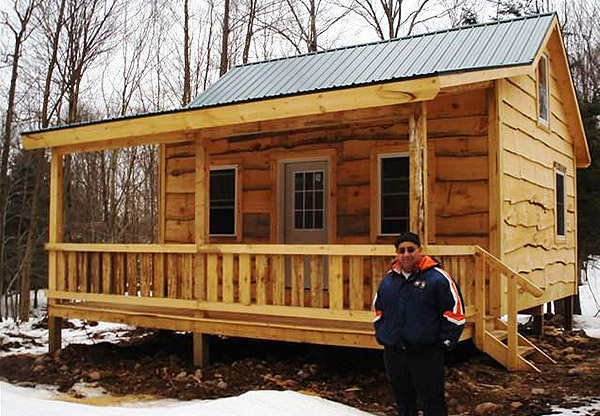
(419, 314)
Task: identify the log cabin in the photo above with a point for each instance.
(284, 184)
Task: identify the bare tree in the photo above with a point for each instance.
(186, 55)
(224, 66)
(20, 31)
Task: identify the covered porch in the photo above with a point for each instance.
(317, 293)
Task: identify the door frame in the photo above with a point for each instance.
(278, 162)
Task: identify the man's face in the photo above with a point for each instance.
(409, 255)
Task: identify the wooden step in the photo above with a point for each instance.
(501, 334)
(525, 351)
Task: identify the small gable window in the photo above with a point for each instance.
(222, 200)
(560, 202)
(543, 90)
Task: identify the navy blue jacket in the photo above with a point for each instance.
(425, 308)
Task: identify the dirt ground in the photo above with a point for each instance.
(157, 363)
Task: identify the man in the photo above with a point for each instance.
(419, 315)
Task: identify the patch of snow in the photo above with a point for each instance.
(19, 401)
(593, 404)
(32, 339)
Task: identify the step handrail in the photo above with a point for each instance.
(503, 268)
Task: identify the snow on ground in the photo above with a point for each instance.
(19, 401)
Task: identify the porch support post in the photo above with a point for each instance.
(55, 235)
(417, 131)
(201, 230)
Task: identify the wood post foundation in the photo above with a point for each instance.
(54, 334)
(201, 350)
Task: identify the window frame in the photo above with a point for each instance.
(380, 157)
(560, 170)
(236, 209)
(544, 60)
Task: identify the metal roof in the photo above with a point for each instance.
(498, 44)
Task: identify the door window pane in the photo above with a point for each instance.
(222, 202)
(308, 200)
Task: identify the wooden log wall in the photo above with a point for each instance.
(458, 128)
(457, 133)
(530, 152)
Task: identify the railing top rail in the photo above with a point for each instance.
(290, 249)
(503, 268)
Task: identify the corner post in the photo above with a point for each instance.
(55, 235)
(201, 232)
(513, 335)
(480, 293)
(417, 134)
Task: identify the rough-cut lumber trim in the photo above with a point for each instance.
(309, 104)
(162, 193)
(298, 249)
(201, 188)
(418, 171)
(123, 248)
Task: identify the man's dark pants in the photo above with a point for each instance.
(416, 375)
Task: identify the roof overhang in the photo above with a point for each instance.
(179, 125)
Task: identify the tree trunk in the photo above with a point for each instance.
(20, 36)
(186, 55)
(249, 31)
(225, 41)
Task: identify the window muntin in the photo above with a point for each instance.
(223, 201)
(560, 204)
(394, 194)
(543, 90)
(309, 200)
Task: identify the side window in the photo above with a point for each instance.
(560, 203)
(543, 91)
(223, 201)
(394, 195)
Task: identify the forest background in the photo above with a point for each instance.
(73, 61)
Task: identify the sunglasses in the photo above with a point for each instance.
(409, 250)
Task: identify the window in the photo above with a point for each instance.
(308, 200)
(394, 198)
(543, 91)
(560, 203)
(222, 200)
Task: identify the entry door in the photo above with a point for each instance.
(306, 203)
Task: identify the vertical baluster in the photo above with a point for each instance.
(84, 278)
(278, 279)
(120, 273)
(72, 262)
(158, 281)
(336, 282)
(107, 273)
(200, 276)
(95, 272)
(356, 283)
(244, 278)
(187, 276)
(227, 277)
(212, 277)
(173, 277)
(262, 267)
(297, 280)
(316, 281)
(132, 278)
(146, 274)
(61, 273)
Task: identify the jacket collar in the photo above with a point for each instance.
(425, 263)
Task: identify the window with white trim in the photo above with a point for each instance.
(543, 90)
(560, 203)
(394, 195)
(223, 198)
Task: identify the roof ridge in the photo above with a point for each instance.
(435, 32)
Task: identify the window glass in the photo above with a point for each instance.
(560, 204)
(394, 198)
(308, 200)
(222, 201)
(543, 92)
